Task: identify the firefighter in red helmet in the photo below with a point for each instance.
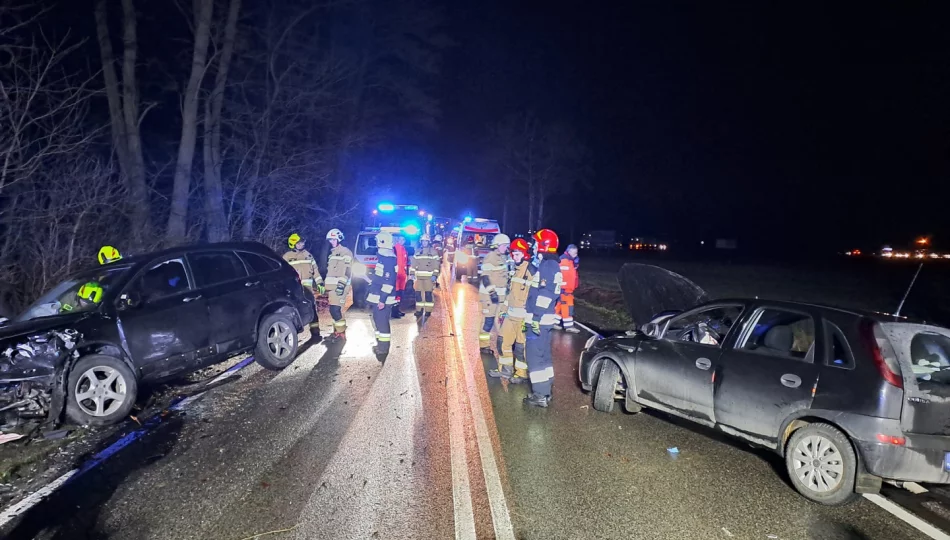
(542, 300)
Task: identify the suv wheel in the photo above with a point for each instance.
(276, 341)
(100, 391)
(609, 380)
(821, 464)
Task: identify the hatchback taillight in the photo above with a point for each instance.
(883, 353)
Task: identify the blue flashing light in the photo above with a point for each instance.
(429, 217)
(411, 207)
(386, 207)
(411, 229)
(468, 219)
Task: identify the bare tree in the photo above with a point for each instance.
(124, 111)
(178, 214)
(217, 224)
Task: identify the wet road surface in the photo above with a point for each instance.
(424, 446)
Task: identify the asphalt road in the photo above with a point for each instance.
(339, 446)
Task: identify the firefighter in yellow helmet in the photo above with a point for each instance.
(339, 273)
(424, 271)
(88, 295)
(108, 254)
(306, 266)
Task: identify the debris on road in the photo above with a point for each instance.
(673, 450)
(9, 437)
(56, 434)
(729, 534)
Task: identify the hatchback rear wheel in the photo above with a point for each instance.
(821, 464)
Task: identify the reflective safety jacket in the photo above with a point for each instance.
(383, 279)
(339, 266)
(425, 263)
(305, 265)
(568, 273)
(494, 274)
(519, 289)
(545, 291)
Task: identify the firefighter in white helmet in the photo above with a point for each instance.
(306, 266)
(493, 287)
(424, 270)
(339, 272)
(382, 293)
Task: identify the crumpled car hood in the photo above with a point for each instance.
(649, 290)
(35, 326)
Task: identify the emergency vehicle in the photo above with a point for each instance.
(474, 242)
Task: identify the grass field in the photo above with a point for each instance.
(869, 284)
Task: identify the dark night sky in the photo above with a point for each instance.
(794, 126)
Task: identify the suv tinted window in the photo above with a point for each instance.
(213, 267)
(930, 354)
(259, 264)
(781, 333)
(708, 326)
(163, 279)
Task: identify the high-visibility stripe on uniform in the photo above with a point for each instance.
(520, 364)
(387, 288)
(344, 258)
(384, 337)
(372, 298)
(543, 302)
(542, 375)
(567, 322)
(340, 323)
(517, 312)
(391, 300)
(521, 281)
(300, 261)
(548, 319)
(422, 273)
(506, 360)
(307, 282)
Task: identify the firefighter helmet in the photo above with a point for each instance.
(547, 241)
(336, 234)
(384, 240)
(293, 240)
(500, 239)
(425, 238)
(90, 291)
(108, 254)
(520, 244)
(437, 238)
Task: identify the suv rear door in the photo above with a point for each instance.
(168, 329)
(923, 352)
(233, 308)
(768, 373)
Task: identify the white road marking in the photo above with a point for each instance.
(461, 485)
(909, 518)
(35, 498)
(501, 519)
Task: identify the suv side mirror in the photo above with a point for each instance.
(129, 300)
(651, 329)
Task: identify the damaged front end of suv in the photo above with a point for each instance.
(33, 375)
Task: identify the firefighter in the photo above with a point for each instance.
(306, 266)
(382, 293)
(565, 304)
(88, 295)
(425, 273)
(493, 286)
(450, 247)
(108, 254)
(440, 249)
(402, 266)
(545, 291)
(511, 358)
(339, 272)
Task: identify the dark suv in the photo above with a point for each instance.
(148, 318)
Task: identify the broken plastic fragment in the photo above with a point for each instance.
(673, 450)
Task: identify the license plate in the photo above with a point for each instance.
(946, 461)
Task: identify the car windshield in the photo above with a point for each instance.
(64, 297)
(366, 244)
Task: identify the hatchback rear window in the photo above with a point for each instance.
(840, 351)
(931, 357)
(781, 333)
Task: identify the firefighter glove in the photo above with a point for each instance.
(321, 288)
(340, 288)
(534, 326)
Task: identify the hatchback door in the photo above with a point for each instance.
(676, 372)
(923, 355)
(164, 321)
(768, 374)
(234, 298)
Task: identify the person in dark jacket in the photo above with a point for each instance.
(382, 293)
(542, 300)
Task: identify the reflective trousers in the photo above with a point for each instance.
(512, 347)
(424, 299)
(383, 332)
(565, 309)
(540, 365)
(336, 309)
(489, 311)
(315, 325)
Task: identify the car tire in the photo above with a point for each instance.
(276, 341)
(605, 393)
(100, 390)
(832, 481)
